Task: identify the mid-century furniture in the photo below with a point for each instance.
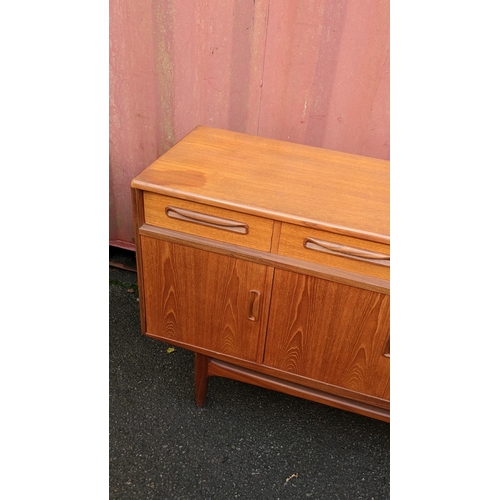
(269, 260)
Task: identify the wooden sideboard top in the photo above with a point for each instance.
(304, 185)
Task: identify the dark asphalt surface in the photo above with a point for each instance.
(247, 442)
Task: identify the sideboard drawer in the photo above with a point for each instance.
(335, 250)
(208, 221)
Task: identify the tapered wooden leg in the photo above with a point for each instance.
(200, 377)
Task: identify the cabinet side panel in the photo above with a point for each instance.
(329, 332)
(138, 209)
(202, 299)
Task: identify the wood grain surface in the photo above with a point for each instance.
(272, 259)
(292, 244)
(203, 299)
(329, 332)
(279, 180)
(259, 234)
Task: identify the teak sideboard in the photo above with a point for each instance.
(270, 260)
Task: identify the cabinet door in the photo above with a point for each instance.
(202, 299)
(330, 332)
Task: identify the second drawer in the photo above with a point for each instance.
(210, 222)
(335, 250)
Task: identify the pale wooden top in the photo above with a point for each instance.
(284, 181)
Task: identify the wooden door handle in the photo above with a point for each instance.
(346, 251)
(387, 349)
(253, 305)
(206, 220)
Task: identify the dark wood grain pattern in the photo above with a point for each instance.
(201, 298)
(329, 332)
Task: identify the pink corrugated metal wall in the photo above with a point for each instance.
(309, 71)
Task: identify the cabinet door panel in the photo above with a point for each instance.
(203, 299)
(329, 332)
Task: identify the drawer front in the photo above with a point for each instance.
(207, 221)
(335, 250)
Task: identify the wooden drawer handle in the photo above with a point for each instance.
(206, 220)
(253, 305)
(345, 251)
